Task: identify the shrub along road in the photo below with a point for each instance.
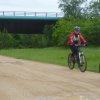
(29, 80)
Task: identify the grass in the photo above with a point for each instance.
(54, 55)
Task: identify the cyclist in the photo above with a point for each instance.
(75, 40)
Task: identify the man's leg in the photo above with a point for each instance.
(73, 49)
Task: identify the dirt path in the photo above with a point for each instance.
(28, 80)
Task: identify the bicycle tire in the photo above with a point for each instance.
(83, 64)
(71, 64)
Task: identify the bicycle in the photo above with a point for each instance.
(79, 59)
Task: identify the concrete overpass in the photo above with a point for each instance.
(27, 22)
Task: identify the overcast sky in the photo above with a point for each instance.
(29, 5)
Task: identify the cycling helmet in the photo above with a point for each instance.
(77, 28)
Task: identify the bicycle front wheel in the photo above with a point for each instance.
(71, 63)
(82, 63)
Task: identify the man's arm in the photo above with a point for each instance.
(71, 38)
(83, 40)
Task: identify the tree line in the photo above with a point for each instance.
(76, 13)
(79, 9)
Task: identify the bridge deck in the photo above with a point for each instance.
(30, 15)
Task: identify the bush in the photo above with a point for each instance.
(31, 40)
(61, 31)
(93, 35)
(22, 40)
(6, 40)
(90, 29)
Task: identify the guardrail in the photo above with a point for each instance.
(25, 13)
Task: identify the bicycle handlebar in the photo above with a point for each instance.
(82, 45)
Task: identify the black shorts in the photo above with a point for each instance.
(74, 49)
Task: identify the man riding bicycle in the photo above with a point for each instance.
(75, 40)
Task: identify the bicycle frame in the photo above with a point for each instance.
(80, 54)
(79, 58)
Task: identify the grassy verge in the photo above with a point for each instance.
(54, 56)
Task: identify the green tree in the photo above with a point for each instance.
(48, 32)
(61, 32)
(72, 8)
(95, 8)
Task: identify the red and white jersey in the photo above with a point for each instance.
(76, 39)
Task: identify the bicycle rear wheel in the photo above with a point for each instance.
(82, 63)
(71, 63)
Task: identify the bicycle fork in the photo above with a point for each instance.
(81, 58)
